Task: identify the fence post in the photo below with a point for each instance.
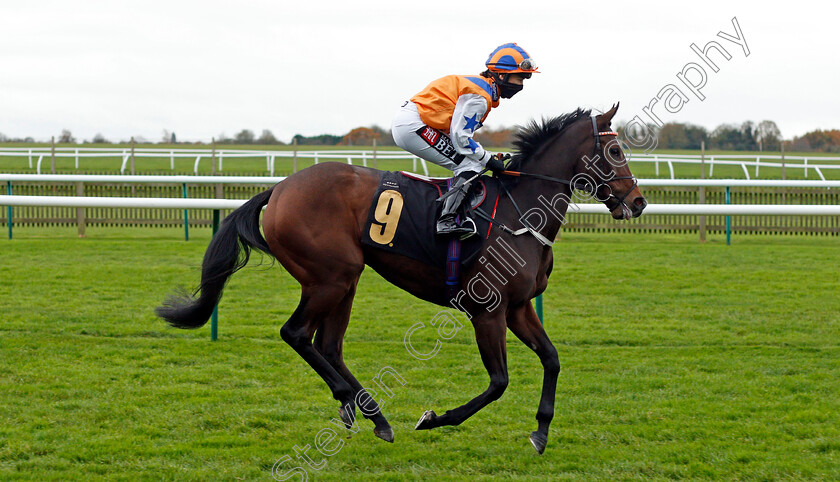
(214, 318)
(784, 176)
(213, 157)
(728, 221)
(702, 191)
(294, 155)
(52, 155)
(80, 212)
(132, 155)
(186, 217)
(219, 191)
(375, 164)
(9, 212)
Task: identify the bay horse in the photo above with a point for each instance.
(313, 222)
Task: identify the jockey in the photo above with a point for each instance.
(438, 123)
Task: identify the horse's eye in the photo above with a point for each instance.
(615, 152)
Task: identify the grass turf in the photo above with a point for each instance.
(680, 360)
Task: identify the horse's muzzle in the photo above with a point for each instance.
(637, 206)
(628, 209)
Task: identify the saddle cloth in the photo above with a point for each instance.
(404, 213)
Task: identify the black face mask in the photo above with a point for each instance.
(506, 90)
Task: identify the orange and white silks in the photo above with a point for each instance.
(456, 105)
(436, 103)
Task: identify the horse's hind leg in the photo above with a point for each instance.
(315, 304)
(329, 341)
(525, 324)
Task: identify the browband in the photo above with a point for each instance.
(598, 134)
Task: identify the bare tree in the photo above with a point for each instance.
(66, 137)
(245, 136)
(267, 137)
(768, 135)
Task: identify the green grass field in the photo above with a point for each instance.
(680, 360)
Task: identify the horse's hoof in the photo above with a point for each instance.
(386, 434)
(425, 422)
(346, 417)
(538, 440)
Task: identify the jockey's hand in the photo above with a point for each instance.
(497, 161)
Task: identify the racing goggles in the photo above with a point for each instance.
(526, 64)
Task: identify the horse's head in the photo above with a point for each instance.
(602, 169)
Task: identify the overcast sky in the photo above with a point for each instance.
(203, 68)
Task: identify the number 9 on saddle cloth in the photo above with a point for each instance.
(403, 214)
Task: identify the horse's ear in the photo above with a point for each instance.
(608, 115)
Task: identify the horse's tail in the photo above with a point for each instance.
(228, 252)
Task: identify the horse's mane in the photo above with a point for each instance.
(531, 137)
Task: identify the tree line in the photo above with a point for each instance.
(764, 136)
(748, 136)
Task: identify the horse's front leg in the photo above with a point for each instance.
(525, 324)
(490, 334)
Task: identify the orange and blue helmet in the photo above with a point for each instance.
(510, 58)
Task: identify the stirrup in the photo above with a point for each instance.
(463, 231)
(451, 228)
(472, 233)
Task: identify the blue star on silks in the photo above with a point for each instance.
(472, 123)
(472, 145)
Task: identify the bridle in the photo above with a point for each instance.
(578, 184)
(582, 185)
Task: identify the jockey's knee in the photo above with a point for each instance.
(467, 175)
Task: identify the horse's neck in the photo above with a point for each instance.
(546, 201)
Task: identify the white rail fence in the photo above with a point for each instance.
(36, 156)
(817, 163)
(217, 204)
(141, 179)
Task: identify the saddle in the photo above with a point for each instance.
(404, 212)
(475, 198)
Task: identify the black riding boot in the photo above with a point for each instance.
(446, 223)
